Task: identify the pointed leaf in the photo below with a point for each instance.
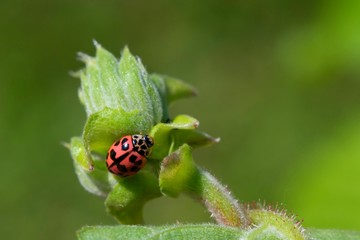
(172, 89)
(140, 92)
(194, 138)
(100, 82)
(169, 136)
(92, 174)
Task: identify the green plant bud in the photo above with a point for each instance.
(119, 98)
(124, 83)
(274, 223)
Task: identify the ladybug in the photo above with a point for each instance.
(128, 155)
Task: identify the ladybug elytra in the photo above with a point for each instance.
(128, 155)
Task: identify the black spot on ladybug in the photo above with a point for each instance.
(144, 147)
(119, 159)
(140, 142)
(138, 163)
(117, 143)
(132, 158)
(113, 154)
(134, 169)
(122, 157)
(125, 146)
(135, 136)
(124, 140)
(148, 141)
(141, 152)
(122, 168)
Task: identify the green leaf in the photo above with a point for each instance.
(91, 173)
(197, 231)
(100, 82)
(169, 136)
(125, 202)
(106, 126)
(194, 138)
(180, 232)
(328, 234)
(140, 92)
(113, 232)
(79, 154)
(172, 89)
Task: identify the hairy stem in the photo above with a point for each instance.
(224, 208)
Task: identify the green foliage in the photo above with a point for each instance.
(138, 108)
(125, 197)
(177, 172)
(120, 99)
(272, 223)
(200, 231)
(118, 96)
(91, 173)
(324, 234)
(127, 85)
(204, 231)
(170, 136)
(125, 202)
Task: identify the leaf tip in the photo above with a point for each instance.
(125, 51)
(96, 44)
(75, 74)
(66, 144)
(83, 57)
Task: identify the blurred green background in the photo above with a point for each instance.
(279, 82)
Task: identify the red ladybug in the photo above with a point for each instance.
(128, 155)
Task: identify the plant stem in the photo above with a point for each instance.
(224, 208)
